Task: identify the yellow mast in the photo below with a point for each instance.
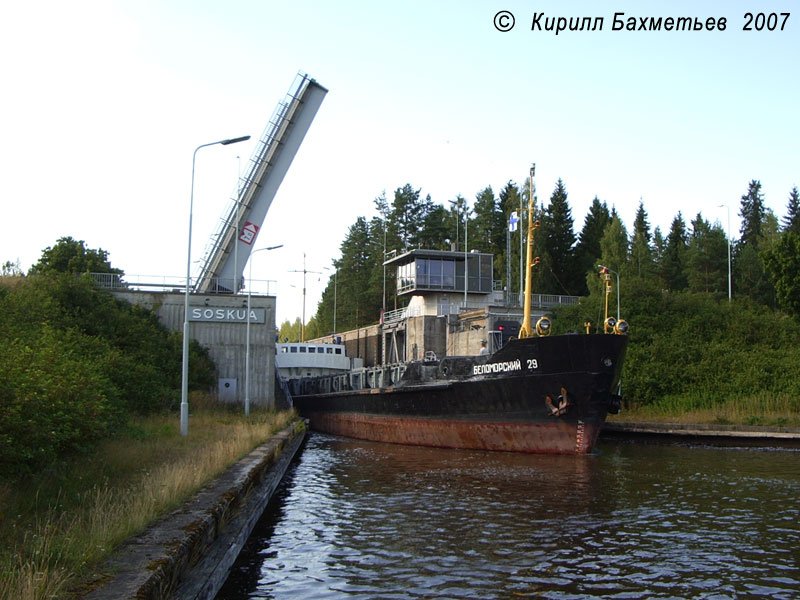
(526, 330)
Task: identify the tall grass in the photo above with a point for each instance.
(56, 528)
(763, 408)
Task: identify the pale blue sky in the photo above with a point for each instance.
(105, 101)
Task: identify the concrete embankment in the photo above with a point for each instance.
(187, 553)
(741, 435)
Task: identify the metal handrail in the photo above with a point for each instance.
(246, 187)
(112, 281)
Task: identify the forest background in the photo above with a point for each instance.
(701, 335)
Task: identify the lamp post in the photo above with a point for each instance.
(728, 208)
(457, 204)
(247, 340)
(617, 274)
(466, 261)
(185, 366)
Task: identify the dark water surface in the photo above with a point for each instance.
(365, 520)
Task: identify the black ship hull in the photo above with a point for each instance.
(535, 395)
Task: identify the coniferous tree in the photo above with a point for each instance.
(490, 230)
(408, 215)
(659, 248)
(355, 267)
(782, 262)
(640, 224)
(791, 222)
(559, 242)
(510, 199)
(752, 213)
(488, 234)
(758, 232)
(707, 258)
(674, 261)
(435, 234)
(614, 246)
(642, 263)
(587, 250)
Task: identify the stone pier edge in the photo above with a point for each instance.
(187, 553)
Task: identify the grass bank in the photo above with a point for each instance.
(56, 528)
(764, 409)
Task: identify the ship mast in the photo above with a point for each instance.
(526, 330)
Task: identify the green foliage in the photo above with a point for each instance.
(673, 262)
(55, 396)
(71, 256)
(75, 363)
(561, 271)
(752, 213)
(791, 222)
(691, 344)
(782, 263)
(290, 332)
(706, 259)
(587, 250)
(11, 269)
(687, 341)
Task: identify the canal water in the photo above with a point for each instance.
(365, 520)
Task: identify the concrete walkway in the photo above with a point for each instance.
(728, 434)
(187, 554)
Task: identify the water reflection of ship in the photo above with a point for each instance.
(538, 393)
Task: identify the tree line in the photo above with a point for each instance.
(692, 257)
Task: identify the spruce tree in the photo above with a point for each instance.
(642, 263)
(791, 222)
(488, 234)
(408, 215)
(752, 213)
(558, 242)
(707, 258)
(587, 250)
(640, 224)
(659, 248)
(354, 307)
(782, 263)
(674, 261)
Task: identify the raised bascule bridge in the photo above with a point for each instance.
(240, 340)
(231, 244)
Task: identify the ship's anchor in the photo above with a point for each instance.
(563, 404)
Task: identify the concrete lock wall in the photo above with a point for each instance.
(426, 334)
(363, 342)
(222, 328)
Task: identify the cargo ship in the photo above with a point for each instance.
(538, 393)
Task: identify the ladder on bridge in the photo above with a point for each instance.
(230, 246)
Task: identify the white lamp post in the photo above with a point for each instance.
(185, 366)
(247, 340)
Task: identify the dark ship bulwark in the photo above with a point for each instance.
(538, 394)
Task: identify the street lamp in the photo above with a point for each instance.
(728, 208)
(247, 340)
(617, 274)
(335, 277)
(185, 367)
(457, 205)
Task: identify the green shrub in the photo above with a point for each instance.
(75, 362)
(692, 346)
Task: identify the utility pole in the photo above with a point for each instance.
(303, 322)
